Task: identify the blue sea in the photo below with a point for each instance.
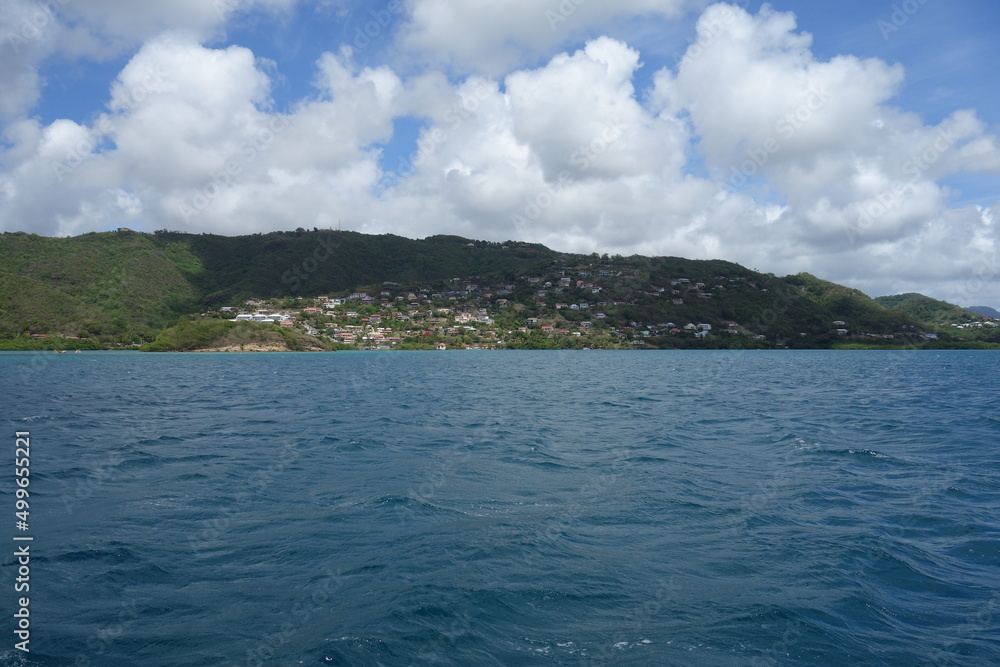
(506, 508)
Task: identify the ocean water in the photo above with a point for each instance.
(507, 508)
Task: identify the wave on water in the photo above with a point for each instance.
(647, 509)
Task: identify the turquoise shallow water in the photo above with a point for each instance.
(509, 508)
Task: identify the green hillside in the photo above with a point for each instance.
(194, 334)
(303, 263)
(859, 312)
(927, 309)
(96, 284)
(124, 288)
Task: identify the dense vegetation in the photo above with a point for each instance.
(206, 334)
(123, 287)
(132, 289)
(120, 287)
(851, 305)
(927, 309)
(307, 264)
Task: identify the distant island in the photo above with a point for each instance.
(325, 290)
(992, 313)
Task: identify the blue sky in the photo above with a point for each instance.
(856, 141)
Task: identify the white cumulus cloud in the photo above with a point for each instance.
(749, 148)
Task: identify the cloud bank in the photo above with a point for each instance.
(749, 148)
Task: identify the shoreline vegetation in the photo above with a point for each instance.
(229, 336)
(264, 347)
(325, 290)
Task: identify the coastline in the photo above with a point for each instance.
(276, 348)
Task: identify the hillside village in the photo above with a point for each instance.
(345, 290)
(590, 306)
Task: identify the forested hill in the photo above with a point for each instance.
(303, 263)
(927, 309)
(123, 287)
(116, 282)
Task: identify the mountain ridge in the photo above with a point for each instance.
(926, 308)
(985, 310)
(126, 287)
